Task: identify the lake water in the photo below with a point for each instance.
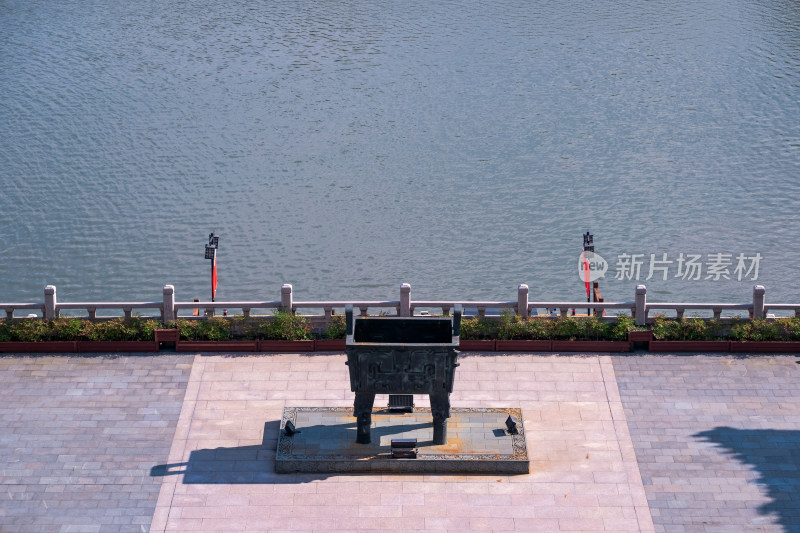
(347, 147)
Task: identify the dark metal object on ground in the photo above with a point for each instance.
(399, 355)
(404, 448)
(511, 425)
(401, 403)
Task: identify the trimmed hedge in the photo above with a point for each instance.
(77, 329)
(511, 327)
(288, 326)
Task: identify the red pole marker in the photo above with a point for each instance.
(214, 276)
(586, 275)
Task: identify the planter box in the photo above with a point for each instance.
(689, 346)
(523, 346)
(38, 347)
(765, 347)
(477, 345)
(591, 346)
(167, 335)
(329, 345)
(285, 346)
(216, 346)
(116, 346)
(640, 336)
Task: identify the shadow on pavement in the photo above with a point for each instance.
(775, 456)
(239, 464)
(256, 463)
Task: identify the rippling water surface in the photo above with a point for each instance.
(346, 147)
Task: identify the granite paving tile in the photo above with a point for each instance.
(716, 447)
(77, 457)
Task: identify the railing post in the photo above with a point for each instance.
(50, 303)
(641, 305)
(348, 318)
(522, 301)
(405, 299)
(286, 297)
(168, 309)
(758, 301)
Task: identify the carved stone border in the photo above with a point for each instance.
(514, 463)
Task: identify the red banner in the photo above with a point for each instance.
(214, 277)
(586, 275)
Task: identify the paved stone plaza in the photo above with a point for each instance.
(188, 443)
(717, 440)
(79, 437)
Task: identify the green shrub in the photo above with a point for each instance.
(587, 329)
(286, 326)
(6, 331)
(781, 329)
(31, 330)
(70, 329)
(478, 328)
(686, 329)
(539, 328)
(337, 328)
(565, 328)
(535, 329)
(510, 326)
(791, 328)
(211, 329)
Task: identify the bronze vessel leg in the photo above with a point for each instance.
(363, 413)
(440, 408)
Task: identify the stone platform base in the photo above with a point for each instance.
(477, 442)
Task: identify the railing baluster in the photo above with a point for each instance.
(51, 308)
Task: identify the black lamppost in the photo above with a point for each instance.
(588, 246)
(211, 253)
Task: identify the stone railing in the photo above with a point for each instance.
(169, 309)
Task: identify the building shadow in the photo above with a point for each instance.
(774, 456)
(256, 463)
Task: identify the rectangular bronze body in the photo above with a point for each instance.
(398, 355)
